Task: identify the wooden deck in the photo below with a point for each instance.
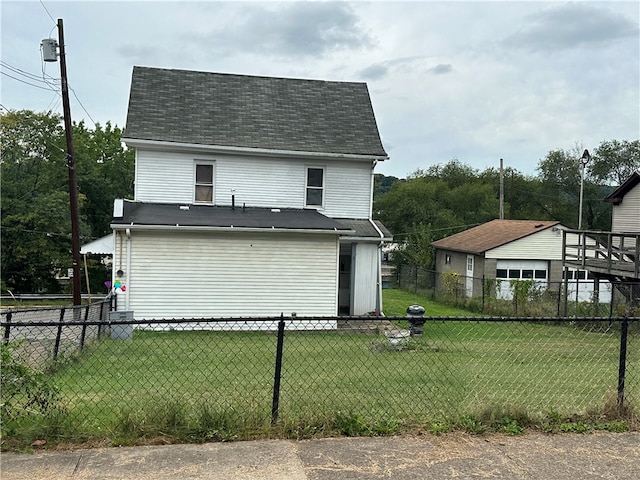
(612, 255)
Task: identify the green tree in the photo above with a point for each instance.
(560, 178)
(36, 240)
(614, 161)
(35, 210)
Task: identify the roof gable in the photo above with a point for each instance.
(618, 194)
(492, 234)
(252, 112)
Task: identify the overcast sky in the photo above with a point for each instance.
(477, 81)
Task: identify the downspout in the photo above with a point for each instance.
(128, 274)
(373, 182)
(379, 267)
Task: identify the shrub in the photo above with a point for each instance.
(23, 390)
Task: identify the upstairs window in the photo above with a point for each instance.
(204, 183)
(315, 187)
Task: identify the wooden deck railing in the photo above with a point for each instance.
(609, 253)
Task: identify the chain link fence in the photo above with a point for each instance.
(221, 379)
(580, 296)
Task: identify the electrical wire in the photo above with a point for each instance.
(45, 9)
(81, 105)
(24, 73)
(27, 83)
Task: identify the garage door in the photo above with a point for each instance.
(506, 270)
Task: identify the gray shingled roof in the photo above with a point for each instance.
(364, 229)
(143, 213)
(252, 112)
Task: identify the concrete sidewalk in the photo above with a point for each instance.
(460, 456)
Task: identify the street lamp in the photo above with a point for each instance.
(583, 163)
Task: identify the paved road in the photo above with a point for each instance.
(459, 456)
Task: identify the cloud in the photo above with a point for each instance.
(569, 26)
(380, 70)
(287, 30)
(139, 54)
(441, 69)
(376, 71)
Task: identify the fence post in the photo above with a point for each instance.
(7, 328)
(101, 317)
(276, 376)
(483, 291)
(622, 365)
(56, 347)
(84, 327)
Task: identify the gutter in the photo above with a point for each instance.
(134, 142)
(231, 228)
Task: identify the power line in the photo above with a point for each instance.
(85, 110)
(28, 75)
(27, 83)
(45, 9)
(36, 78)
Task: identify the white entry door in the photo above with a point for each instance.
(469, 277)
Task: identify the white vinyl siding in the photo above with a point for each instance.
(197, 275)
(626, 216)
(543, 245)
(163, 177)
(255, 181)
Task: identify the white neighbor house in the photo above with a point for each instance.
(253, 197)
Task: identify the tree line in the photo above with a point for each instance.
(36, 222)
(428, 205)
(445, 199)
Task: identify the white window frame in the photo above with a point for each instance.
(212, 184)
(323, 168)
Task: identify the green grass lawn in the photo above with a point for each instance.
(206, 385)
(396, 301)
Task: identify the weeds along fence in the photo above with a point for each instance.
(581, 295)
(222, 379)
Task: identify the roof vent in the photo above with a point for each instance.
(184, 207)
(275, 210)
(538, 225)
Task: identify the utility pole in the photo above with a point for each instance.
(501, 190)
(73, 184)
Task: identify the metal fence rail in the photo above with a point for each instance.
(582, 296)
(46, 333)
(296, 371)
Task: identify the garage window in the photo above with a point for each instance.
(540, 274)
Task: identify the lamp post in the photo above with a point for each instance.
(583, 163)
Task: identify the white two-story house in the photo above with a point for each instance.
(253, 197)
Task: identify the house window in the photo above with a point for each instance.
(315, 187)
(447, 259)
(204, 183)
